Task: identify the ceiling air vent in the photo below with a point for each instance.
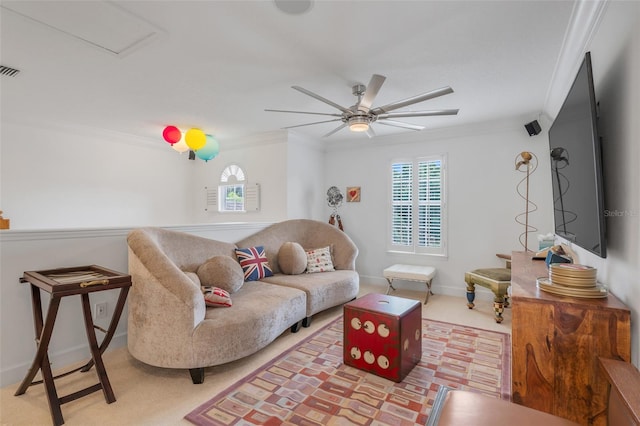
(11, 72)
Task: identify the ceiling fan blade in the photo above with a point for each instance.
(419, 113)
(309, 124)
(413, 100)
(400, 124)
(371, 92)
(335, 130)
(321, 99)
(370, 132)
(304, 112)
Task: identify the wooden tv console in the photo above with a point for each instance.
(556, 343)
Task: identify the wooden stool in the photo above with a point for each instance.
(497, 280)
(423, 274)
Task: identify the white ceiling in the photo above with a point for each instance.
(217, 65)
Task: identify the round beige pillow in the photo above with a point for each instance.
(223, 272)
(292, 258)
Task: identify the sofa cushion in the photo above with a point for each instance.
(254, 263)
(222, 272)
(260, 313)
(319, 260)
(324, 290)
(292, 258)
(216, 297)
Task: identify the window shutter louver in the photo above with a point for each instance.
(252, 197)
(211, 195)
(429, 195)
(402, 199)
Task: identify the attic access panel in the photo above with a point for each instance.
(100, 24)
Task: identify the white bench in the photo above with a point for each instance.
(410, 273)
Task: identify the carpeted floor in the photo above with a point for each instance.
(147, 395)
(310, 385)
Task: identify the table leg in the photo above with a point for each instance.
(41, 359)
(429, 293)
(498, 307)
(115, 318)
(391, 287)
(471, 295)
(95, 350)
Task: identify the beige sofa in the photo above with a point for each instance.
(169, 324)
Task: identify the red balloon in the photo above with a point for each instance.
(171, 134)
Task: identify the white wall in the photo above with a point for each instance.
(481, 193)
(615, 54)
(56, 178)
(306, 192)
(53, 178)
(288, 166)
(263, 158)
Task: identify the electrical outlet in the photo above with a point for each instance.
(100, 310)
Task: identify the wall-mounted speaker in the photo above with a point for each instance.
(533, 128)
(192, 155)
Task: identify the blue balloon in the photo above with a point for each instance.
(210, 149)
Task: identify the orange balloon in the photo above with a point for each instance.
(195, 139)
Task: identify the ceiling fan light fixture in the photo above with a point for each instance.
(358, 124)
(359, 117)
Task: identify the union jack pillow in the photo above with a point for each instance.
(216, 297)
(254, 263)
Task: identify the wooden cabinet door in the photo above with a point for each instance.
(581, 336)
(533, 369)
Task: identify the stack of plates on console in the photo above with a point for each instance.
(569, 279)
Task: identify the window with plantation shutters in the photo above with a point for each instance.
(231, 189)
(233, 194)
(417, 222)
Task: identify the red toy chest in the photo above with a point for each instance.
(383, 335)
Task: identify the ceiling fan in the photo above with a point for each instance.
(360, 116)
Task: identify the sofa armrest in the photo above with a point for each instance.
(153, 272)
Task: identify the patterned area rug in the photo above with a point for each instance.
(310, 385)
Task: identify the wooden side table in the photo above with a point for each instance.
(383, 335)
(60, 283)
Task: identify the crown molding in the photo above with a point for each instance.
(583, 24)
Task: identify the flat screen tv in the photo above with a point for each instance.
(576, 167)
